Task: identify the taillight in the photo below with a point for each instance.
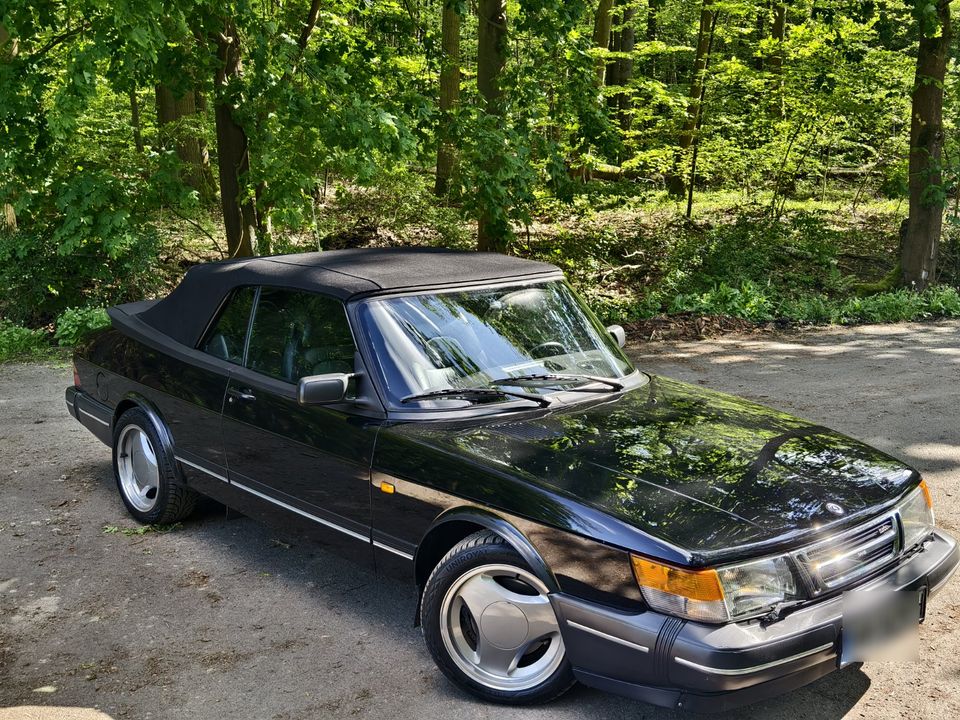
(76, 375)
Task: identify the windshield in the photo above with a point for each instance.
(476, 338)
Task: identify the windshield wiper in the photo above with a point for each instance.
(613, 385)
(477, 393)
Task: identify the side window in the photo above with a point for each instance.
(226, 338)
(296, 334)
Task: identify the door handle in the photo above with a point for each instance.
(244, 395)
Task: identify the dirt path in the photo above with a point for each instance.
(224, 618)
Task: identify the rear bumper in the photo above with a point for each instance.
(709, 668)
(94, 415)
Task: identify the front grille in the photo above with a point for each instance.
(849, 556)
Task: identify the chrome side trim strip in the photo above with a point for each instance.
(304, 513)
(94, 417)
(611, 638)
(754, 668)
(201, 469)
(70, 403)
(394, 550)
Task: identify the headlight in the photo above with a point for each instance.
(726, 594)
(916, 514)
(755, 587)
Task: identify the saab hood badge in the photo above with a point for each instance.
(834, 508)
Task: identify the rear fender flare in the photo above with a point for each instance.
(137, 400)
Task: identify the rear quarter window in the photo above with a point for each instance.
(227, 338)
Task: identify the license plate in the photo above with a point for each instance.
(881, 625)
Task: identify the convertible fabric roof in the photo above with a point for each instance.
(184, 314)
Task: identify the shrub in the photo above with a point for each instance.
(76, 323)
(42, 280)
(18, 342)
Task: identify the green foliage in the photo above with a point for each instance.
(395, 208)
(42, 281)
(18, 343)
(753, 303)
(797, 136)
(77, 323)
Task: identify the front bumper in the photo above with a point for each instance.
(677, 663)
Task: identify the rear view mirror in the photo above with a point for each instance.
(619, 334)
(323, 389)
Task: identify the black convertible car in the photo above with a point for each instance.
(464, 418)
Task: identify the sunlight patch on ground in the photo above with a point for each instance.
(31, 712)
(932, 451)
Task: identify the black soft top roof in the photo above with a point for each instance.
(184, 313)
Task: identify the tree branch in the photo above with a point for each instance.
(57, 39)
(308, 26)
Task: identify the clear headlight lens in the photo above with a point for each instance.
(726, 594)
(916, 514)
(755, 587)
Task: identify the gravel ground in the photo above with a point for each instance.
(225, 618)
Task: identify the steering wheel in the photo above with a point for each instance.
(548, 349)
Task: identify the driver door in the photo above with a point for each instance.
(313, 461)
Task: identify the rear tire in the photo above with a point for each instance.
(148, 479)
(489, 626)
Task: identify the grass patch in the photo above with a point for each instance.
(140, 529)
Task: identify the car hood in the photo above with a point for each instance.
(701, 470)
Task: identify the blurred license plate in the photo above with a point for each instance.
(881, 625)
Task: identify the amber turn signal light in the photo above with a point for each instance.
(691, 584)
(387, 488)
(926, 493)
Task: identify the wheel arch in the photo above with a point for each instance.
(455, 524)
(135, 400)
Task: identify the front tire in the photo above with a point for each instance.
(148, 480)
(489, 625)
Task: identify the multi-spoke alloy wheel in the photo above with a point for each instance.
(489, 624)
(148, 478)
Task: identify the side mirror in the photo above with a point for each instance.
(619, 334)
(323, 389)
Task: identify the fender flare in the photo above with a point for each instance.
(502, 527)
(156, 420)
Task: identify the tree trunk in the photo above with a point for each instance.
(307, 30)
(778, 33)
(653, 32)
(921, 241)
(602, 24)
(775, 61)
(449, 95)
(675, 182)
(200, 102)
(620, 73)
(170, 111)
(135, 125)
(492, 232)
(8, 53)
(239, 215)
(14, 49)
